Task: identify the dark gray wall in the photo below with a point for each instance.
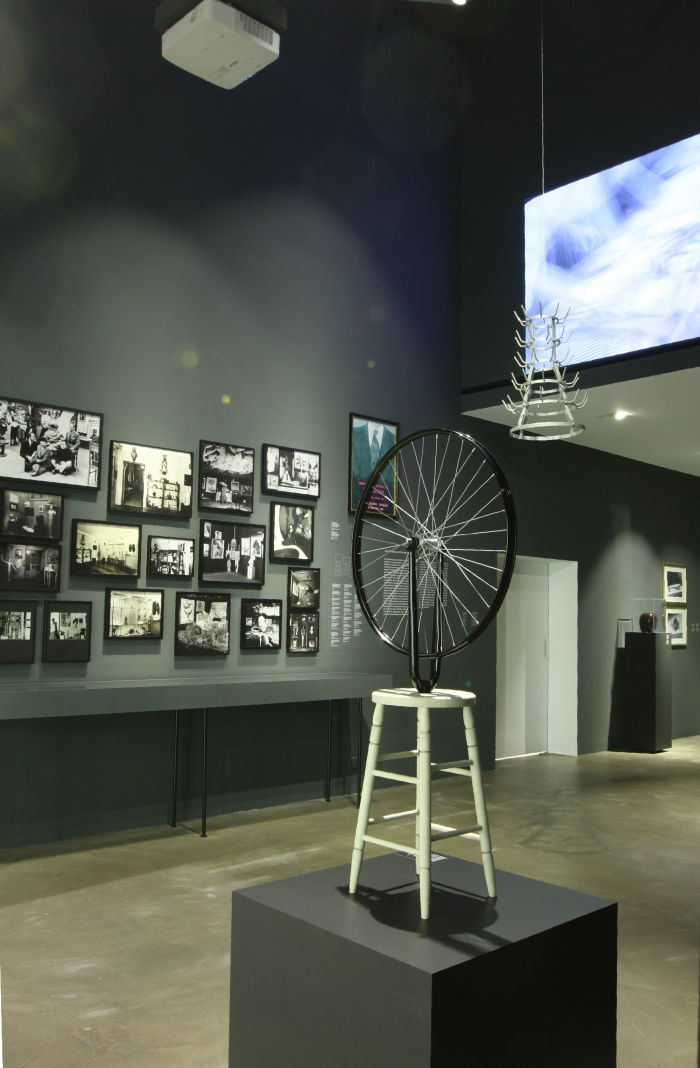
(287, 244)
(620, 520)
(619, 80)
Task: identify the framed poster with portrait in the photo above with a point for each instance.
(231, 554)
(31, 514)
(675, 584)
(133, 614)
(28, 566)
(226, 477)
(49, 444)
(202, 624)
(261, 623)
(302, 633)
(67, 632)
(150, 480)
(288, 472)
(291, 533)
(370, 440)
(105, 549)
(303, 587)
(17, 632)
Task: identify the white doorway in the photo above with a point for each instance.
(537, 660)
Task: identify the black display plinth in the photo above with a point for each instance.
(320, 979)
(640, 713)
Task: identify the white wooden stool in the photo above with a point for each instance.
(426, 831)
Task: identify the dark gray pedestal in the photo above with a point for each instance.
(640, 714)
(323, 980)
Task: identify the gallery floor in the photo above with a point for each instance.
(115, 950)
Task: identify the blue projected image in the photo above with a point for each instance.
(621, 250)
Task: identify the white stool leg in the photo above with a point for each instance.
(375, 738)
(479, 800)
(423, 805)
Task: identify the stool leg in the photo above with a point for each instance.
(375, 738)
(423, 805)
(479, 800)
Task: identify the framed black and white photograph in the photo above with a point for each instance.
(106, 549)
(370, 439)
(302, 633)
(288, 472)
(31, 514)
(169, 557)
(202, 624)
(17, 632)
(675, 584)
(25, 566)
(226, 477)
(150, 480)
(261, 624)
(133, 614)
(67, 631)
(231, 554)
(291, 533)
(44, 443)
(303, 587)
(676, 625)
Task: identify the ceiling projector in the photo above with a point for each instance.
(218, 42)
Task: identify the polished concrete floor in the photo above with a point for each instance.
(114, 950)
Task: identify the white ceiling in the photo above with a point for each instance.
(663, 427)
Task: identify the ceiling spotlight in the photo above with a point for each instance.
(621, 414)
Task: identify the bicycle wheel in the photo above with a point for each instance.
(441, 495)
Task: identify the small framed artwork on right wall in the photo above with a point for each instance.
(676, 626)
(675, 584)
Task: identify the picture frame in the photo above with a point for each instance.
(169, 557)
(67, 632)
(150, 480)
(364, 454)
(30, 567)
(50, 444)
(302, 633)
(104, 549)
(133, 614)
(202, 623)
(226, 477)
(17, 631)
(261, 623)
(291, 533)
(290, 472)
(674, 584)
(303, 587)
(232, 554)
(676, 625)
(31, 514)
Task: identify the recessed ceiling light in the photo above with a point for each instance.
(621, 414)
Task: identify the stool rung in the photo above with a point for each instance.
(404, 754)
(396, 775)
(453, 832)
(394, 816)
(389, 845)
(454, 767)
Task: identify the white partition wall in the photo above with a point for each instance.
(537, 656)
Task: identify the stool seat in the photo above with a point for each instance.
(408, 697)
(426, 831)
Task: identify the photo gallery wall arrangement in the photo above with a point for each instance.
(45, 447)
(674, 580)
